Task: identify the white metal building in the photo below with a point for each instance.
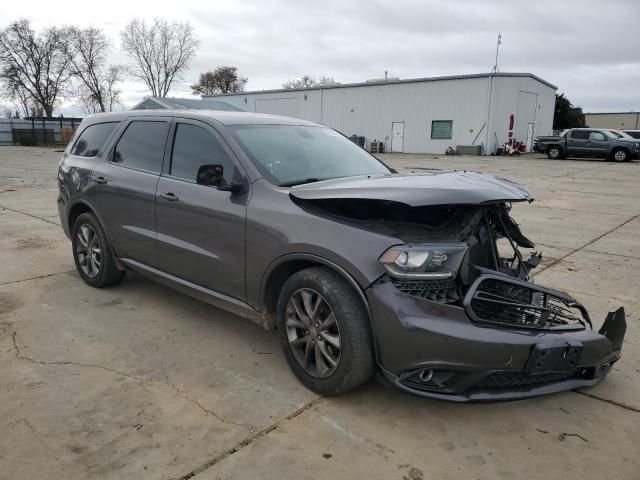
(422, 115)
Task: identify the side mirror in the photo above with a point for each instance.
(213, 176)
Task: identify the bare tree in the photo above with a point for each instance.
(161, 52)
(87, 50)
(307, 81)
(6, 111)
(222, 80)
(34, 66)
(20, 98)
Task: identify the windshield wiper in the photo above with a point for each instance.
(299, 182)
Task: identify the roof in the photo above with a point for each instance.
(184, 103)
(223, 117)
(390, 82)
(612, 113)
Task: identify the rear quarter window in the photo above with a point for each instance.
(92, 139)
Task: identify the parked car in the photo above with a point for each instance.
(358, 268)
(633, 133)
(620, 133)
(589, 142)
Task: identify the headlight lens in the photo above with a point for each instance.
(423, 261)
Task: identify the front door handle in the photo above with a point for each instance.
(100, 180)
(171, 197)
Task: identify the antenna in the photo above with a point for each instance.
(495, 67)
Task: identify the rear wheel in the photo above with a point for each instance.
(91, 253)
(554, 152)
(620, 155)
(324, 331)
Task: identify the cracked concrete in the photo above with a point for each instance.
(139, 381)
(180, 392)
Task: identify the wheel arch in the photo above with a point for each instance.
(557, 145)
(616, 149)
(285, 266)
(77, 209)
(82, 206)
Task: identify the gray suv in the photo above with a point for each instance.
(358, 268)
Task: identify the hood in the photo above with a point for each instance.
(437, 188)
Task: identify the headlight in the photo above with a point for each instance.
(423, 261)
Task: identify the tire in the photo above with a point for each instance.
(554, 152)
(354, 359)
(90, 250)
(620, 155)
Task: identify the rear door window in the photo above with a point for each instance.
(194, 146)
(596, 136)
(92, 139)
(141, 146)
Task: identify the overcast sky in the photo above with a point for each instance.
(589, 49)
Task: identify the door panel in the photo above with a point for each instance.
(201, 230)
(596, 144)
(125, 195)
(201, 236)
(577, 142)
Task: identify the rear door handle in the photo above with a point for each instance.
(171, 197)
(100, 180)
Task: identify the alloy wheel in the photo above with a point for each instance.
(313, 333)
(554, 153)
(88, 250)
(620, 156)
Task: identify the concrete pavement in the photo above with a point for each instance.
(139, 381)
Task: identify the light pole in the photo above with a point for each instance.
(495, 66)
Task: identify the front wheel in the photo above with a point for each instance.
(324, 331)
(554, 153)
(620, 155)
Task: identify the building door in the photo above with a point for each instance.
(530, 137)
(397, 136)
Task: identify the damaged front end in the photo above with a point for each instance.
(456, 315)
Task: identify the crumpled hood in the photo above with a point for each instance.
(437, 188)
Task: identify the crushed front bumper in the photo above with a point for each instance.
(436, 350)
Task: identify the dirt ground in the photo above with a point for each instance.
(139, 381)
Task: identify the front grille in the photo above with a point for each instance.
(497, 300)
(498, 380)
(439, 291)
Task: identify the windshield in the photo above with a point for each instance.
(292, 154)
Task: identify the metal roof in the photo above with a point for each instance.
(389, 82)
(612, 113)
(188, 103)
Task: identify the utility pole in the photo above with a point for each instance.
(495, 66)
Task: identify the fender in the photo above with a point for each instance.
(328, 263)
